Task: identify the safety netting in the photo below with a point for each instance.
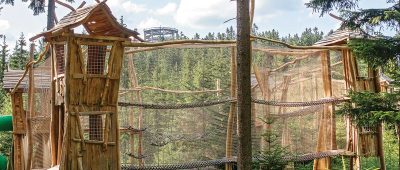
(175, 100)
(37, 105)
(173, 107)
(292, 89)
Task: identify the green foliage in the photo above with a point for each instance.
(273, 156)
(368, 109)
(325, 6)
(377, 52)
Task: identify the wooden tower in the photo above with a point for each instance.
(85, 83)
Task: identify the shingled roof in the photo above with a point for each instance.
(96, 19)
(42, 80)
(340, 36)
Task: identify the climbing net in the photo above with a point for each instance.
(175, 102)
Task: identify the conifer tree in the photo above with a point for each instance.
(19, 56)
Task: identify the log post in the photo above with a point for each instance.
(244, 84)
(31, 105)
(232, 111)
(326, 131)
(19, 129)
(375, 75)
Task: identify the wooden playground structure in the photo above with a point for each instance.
(66, 104)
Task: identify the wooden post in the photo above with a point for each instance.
(19, 130)
(31, 107)
(244, 84)
(326, 131)
(232, 111)
(375, 75)
(263, 82)
(281, 110)
(55, 116)
(134, 83)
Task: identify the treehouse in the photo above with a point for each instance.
(85, 73)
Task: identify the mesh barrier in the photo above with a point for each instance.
(177, 116)
(40, 118)
(96, 58)
(174, 103)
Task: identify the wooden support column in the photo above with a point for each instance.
(281, 110)
(138, 96)
(19, 130)
(244, 84)
(54, 125)
(31, 107)
(327, 130)
(263, 82)
(232, 111)
(375, 75)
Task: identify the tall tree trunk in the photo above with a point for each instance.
(50, 14)
(244, 84)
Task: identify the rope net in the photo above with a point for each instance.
(290, 95)
(174, 102)
(172, 110)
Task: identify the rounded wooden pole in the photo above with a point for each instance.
(244, 84)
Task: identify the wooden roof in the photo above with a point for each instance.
(340, 37)
(42, 80)
(96, 19)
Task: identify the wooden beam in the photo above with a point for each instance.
(158, 44)
(301, 47)
(65, 5)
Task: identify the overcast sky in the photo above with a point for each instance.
(189, 16)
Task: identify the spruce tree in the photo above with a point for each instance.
(19, 57)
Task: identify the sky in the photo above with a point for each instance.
(188, 16)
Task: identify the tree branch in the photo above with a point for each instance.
(82, 4)
(65, 5)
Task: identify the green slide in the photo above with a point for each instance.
(6, 123)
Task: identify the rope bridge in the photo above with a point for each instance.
(191, 165)
(202, 164)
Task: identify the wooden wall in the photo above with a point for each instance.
(93, 97)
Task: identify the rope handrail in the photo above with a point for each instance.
(170, 91)
(217, 102)
(28, 65)
(299, 104)
(301, 112)
(135, 156)
(318, 155)
(175, 106)
(190, 165)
